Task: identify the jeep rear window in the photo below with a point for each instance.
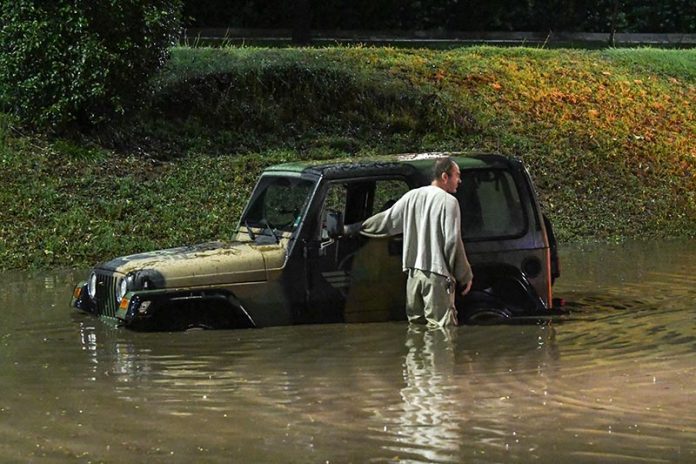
(490, 205)
(278, 203)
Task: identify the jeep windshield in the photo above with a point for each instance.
(490, 205)
(277, 205)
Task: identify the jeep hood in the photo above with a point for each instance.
(215, 263)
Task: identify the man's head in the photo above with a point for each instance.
(446, 174)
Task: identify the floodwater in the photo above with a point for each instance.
(615, 381)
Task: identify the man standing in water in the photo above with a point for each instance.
(433, 254)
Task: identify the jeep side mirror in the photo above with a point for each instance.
(334, 224)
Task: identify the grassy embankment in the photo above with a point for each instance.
(609, 136)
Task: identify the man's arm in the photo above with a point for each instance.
(459, 264)
(386, 223)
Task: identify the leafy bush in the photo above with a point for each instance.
(79, 62)
(297, 98)
(239, 100)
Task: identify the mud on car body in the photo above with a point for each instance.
(291, 263)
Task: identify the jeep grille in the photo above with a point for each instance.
(106, 294)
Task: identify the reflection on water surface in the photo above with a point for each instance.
(611, 382)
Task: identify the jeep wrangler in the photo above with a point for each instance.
(291, 263)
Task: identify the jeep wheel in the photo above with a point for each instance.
(487, 316)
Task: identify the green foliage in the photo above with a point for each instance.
(74, 212)
(222, 100)
(77, 63)
(609, 137)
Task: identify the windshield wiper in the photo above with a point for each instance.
(249, 231)
(265, 232)
(270, 229)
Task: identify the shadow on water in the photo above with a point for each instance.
(612, 381)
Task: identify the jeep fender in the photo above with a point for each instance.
(182, 310)
(499, 293)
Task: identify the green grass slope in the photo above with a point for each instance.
(609, 137)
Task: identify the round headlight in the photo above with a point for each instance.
(121, 290)
(92, 285)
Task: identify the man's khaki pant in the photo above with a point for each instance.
(430, 299)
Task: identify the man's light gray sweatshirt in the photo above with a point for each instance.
(429, 218)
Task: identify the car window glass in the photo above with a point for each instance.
(490, 205)
(279, 203)
(387, 192)
(357, 200)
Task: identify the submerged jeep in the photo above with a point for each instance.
(291, 263)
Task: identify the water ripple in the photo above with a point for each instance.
(612, 381)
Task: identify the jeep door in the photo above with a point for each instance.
(355, 279)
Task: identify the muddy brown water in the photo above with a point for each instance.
(615, 381)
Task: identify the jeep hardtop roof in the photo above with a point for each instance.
(408, 164)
